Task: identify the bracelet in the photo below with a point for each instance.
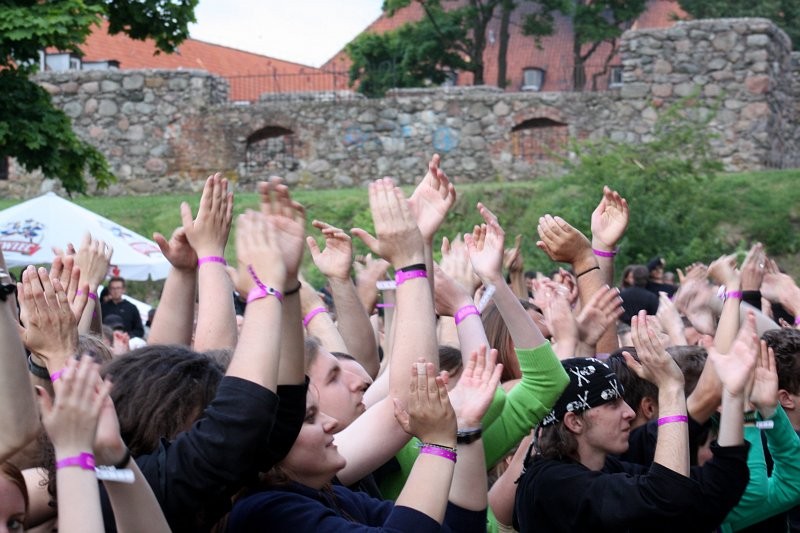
(256, 293)
(587, 271)
(464, 312)
(411, 268)
(603, 253)
(439, 452)
(85, 461)
(311, 314)
(90, 294)
(402, 276)
(37, 370)
(384, 306)
(57, 374)
(212, 259)
(125, 459)
(797, 321)
(671, 419)
(733, 294)
(295, 290)
(264, 289)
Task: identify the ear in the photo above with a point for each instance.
(787, 402)
(648, 407)
(573, 423)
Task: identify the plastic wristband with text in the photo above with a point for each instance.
(603, 253)
(439, 451)
(311, 314)
(212, 259)
(401, 276)
(57, 374)
(464, 312)
(265, 291)
(85, 461)
(733, 294)
(672, 419)
(91, 295)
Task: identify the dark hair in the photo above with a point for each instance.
(627, 270)
(785, 342)
(116, 278)
(94, 346)
(556, 441)
(311, 348)
(159, 391)
(500, 339)
(640, 275)
(13, 474)
(450, 359)
(691, 360)
(636, 388)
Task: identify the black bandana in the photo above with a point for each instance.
(591, 384)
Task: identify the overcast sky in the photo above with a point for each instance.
(304, 31)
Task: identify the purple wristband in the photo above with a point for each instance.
(797, 321)
(267, 290)
(256, 293)
(439, 452)
(603, 253)
(57, 374)
(671, 419)
(311, 314)
(212, 259)
(90, 294)
(733, 294)
(464, 312)
(401, 277)
(384, 306)
(85, 461)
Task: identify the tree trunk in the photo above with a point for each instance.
(502, 50)
(578, 66)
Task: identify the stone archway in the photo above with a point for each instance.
(270, 150)
(539, 139)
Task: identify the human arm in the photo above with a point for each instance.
(609, 222)
(671, 320)
(317, 321)
(368, 272)
(597, 317)
(208, 235)
(334, 263)
(724, 272)
(512, 262)
(559, 319)
(452, 299)
(173, 322)
(92, 258)
(501, 495)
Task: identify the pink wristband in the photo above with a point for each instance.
(733, 294)
(439, 452)
(797, 321)
(671, 419)
(256, 293)
(311, 314)
(384, 306)
(603, 253)
(464, 312)
(57, 374)
(84, 461)
(90, 294)
(212, 259)
(401, 277)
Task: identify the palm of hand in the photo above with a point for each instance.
(335, 259)
(470, 398)
(291, 239)
(765, 388)
(592, 324)
(609, 223)
(734, 369)
(180, 253)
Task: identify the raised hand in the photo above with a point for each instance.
(609, 220)
(456, 264)
(93, 258)
(432, 199)
(560, 321)
(561, 242)
(288, 219)
(764, 394)
(71, 422)
(449, 295)
(399, 240)
(600, 312)
(335, 261)
(66, 271)
(208, 233)
(724, 271)
(735, 369)
(258, 252)
(670, 319)
(177, 249)
(654, 363)
(49, 327)
(753, 268)
(428, 414)
(486, 248)
(475, 389)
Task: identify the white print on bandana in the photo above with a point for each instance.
(613, 392)
(580, 403)
(581, 374)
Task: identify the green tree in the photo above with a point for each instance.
(593, 22)
(784, 13)
(31, 129)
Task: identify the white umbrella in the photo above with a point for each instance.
(29, 230)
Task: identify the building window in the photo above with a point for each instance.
(62, 61)
(532, 79)
(615, 80)
(3, 168)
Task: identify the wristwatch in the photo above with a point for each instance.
(468, 435)
(7, 285)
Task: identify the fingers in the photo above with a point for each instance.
(366, 238)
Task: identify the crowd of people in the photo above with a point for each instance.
(408, 395)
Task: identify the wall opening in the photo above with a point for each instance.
(538, 139)
(270, 150)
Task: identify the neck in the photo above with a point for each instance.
(591, 459)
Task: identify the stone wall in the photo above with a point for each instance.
(166, 130)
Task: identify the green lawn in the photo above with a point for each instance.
(747, 206)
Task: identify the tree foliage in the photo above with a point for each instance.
(31, 129)
(663, 181)
(593, 22)
(784, 13)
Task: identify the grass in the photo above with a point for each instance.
(746, 206)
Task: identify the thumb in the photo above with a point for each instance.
(186, 215)
(313, 247)
(366, 238)
(45, 402)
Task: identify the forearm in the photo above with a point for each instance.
(672, 446)
(19, 416)
(216, 316)
(728, 325)
(706, 397)
(591, 282)
(731, 432)
(471, 334)
(447, 332)
(322, 327)
(174, 318)
(256, 357)
(520, 325)
(415, 333)
(291, 370)
(135, 506)
(87, 317)
(468, 489)
(354, 326)
(78, 499)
